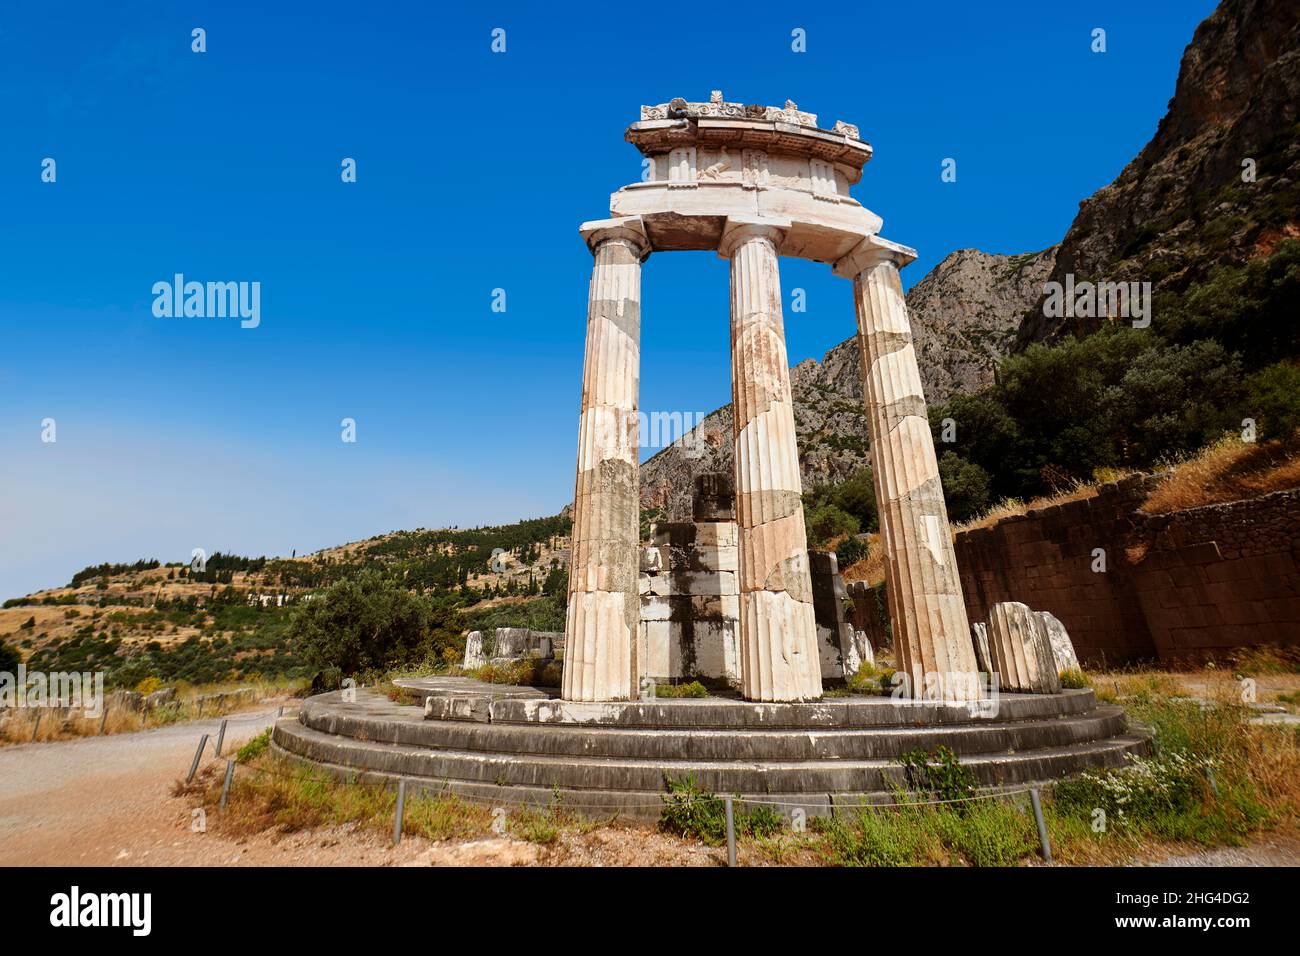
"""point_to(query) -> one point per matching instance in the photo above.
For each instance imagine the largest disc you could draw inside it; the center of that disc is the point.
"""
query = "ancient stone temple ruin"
(734, 597)
(756, 183)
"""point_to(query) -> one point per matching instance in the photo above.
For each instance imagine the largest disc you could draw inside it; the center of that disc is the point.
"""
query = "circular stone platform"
(513, 745)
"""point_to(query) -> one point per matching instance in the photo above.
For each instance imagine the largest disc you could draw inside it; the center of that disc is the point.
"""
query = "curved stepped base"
(522, 748)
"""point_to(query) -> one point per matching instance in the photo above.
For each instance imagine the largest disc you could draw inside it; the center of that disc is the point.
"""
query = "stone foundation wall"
(690, 604)
(1179, 587)
(690, 607)
(1222, 576)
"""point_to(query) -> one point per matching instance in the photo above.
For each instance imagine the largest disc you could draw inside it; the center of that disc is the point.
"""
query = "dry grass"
(23, 725)
(1014, 506)
(871, 568)
(1229, 470)
(271, 794)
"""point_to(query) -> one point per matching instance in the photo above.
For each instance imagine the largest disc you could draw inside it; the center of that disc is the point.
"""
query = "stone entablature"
(713, 162)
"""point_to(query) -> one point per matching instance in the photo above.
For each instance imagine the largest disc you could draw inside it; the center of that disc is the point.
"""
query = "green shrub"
(9, 658)
(850, 551)
(940, 775)
(693, 689)
(367, 623)
(1138, 794)
(690, 812)
(826, 522)
(1273, 400)
(254, 748)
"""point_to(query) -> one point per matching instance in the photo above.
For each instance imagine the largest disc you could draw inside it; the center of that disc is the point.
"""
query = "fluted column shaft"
(778, 631)
(932, 638)
(604, 606)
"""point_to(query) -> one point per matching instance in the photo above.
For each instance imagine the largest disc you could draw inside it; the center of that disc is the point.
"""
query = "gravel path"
(98, 801)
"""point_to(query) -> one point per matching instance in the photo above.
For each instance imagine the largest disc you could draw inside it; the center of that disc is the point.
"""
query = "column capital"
(737, 229)
(872, 251)
(630, 229)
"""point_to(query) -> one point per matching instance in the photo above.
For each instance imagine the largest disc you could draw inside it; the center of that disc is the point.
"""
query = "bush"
(693, 689)
(827, 522)
(965, 487)
(9, 658)
(945, 778)
(1273, 400)
(1139, 793)
(850, 551)
(363, 623)
(691, 812)
(254, 748)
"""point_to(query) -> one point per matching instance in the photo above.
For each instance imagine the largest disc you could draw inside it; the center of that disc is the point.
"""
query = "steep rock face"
(1181, 205)
(964, 317)
(965, 314)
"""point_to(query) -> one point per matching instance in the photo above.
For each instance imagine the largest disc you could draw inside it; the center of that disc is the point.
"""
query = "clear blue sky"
(474, 171)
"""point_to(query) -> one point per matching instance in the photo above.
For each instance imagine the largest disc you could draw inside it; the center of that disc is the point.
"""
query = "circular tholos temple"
(524, 747)
(735, 597)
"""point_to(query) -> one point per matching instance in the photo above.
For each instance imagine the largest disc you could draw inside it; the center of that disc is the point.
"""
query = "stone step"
(648, 775)
(629, 805)
(462, 699)
(393, 726)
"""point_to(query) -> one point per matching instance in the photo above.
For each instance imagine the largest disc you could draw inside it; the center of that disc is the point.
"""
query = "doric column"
(604, 606)
(778, 633)
(932, 639)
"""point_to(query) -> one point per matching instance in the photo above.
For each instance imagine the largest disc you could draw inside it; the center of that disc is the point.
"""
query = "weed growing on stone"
(254, 748)
(1074, 679)
(939, 775)
(693, 689)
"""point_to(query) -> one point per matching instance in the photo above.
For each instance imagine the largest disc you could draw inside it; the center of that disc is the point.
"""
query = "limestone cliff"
(1182, 204)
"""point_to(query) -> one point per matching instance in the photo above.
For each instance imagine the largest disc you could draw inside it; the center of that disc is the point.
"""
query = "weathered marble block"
(1062, 646)
(1021, 650)
(841, 647)
(474, 653)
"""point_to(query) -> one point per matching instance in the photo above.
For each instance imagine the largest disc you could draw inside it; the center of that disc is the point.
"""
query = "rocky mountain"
(964, 313)
(1219, 181)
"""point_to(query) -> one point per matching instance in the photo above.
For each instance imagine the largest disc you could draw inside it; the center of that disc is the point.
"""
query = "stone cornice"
(778, 129)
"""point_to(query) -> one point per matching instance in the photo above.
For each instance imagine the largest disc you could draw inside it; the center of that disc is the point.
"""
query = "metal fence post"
(1042, 824)
(103, 719)
(401, 810)
(221, 735)
(731, 833)
(198, 755)
(225, 787)
(37, 727)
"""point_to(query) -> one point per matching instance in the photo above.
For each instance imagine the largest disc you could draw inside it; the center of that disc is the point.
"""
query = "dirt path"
(106, 801)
